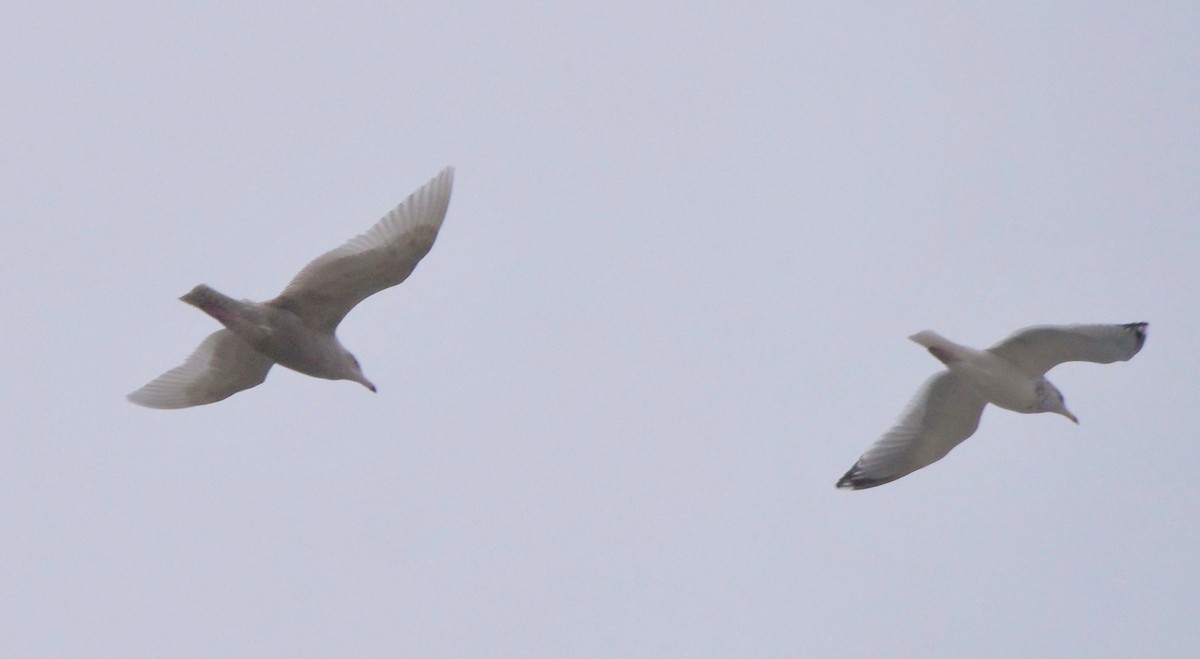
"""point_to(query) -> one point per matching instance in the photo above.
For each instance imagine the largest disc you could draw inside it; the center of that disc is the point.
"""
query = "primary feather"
(297, 328)
(222, 366)
(947, 409)
(1036, 350)
(333, 283)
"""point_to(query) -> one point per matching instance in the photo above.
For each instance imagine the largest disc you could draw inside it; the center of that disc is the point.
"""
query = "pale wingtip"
(142, 399)
(446, 176)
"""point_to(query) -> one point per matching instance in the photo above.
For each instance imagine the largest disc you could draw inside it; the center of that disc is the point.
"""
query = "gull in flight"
(297, 328)
(1010, 374)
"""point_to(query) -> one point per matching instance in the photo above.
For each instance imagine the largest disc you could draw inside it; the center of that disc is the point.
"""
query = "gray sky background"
(666, 312)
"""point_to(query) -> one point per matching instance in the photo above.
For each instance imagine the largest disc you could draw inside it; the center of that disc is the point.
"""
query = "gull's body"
(997, 380)
(1010, 374)
(297, 329)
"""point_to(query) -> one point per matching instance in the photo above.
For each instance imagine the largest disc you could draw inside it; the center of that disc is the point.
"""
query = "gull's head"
(1050, 399)
(351, 370)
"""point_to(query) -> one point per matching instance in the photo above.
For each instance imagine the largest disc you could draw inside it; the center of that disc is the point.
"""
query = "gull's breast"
(998, 381)
(293, 344)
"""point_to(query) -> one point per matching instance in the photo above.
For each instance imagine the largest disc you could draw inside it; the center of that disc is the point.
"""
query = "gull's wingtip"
(855, 480)
(149, 400)
(446, 176)
(438, 190)
(1139, 332)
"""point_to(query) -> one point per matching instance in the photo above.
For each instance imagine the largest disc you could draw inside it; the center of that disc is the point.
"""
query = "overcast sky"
(667, 310)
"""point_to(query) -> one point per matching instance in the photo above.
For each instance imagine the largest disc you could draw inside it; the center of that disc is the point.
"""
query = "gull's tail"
(939, 346)
(211, 301)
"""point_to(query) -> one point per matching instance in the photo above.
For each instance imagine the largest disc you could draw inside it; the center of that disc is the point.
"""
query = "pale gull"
(297, 329)
(1010, 374)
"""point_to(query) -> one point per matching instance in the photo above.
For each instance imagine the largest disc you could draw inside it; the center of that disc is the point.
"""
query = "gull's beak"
(366, 383)
(1065, 412)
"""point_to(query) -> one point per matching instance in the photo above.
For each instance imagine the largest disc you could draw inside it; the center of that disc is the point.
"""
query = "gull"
(297, 328)
(1010, 374)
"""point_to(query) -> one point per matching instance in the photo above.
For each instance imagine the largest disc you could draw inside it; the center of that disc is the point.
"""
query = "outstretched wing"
(944, 412)
(1036, 350)
(329, 287)
(223, 365)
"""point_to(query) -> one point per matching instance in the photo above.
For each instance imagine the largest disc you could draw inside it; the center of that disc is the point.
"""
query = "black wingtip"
(849, 480)
(854, 480)
(1139, 331)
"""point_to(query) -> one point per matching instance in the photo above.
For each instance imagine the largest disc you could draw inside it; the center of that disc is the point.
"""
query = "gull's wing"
(223, 365)
(942, 414)
(329, 287)
(1036, 350)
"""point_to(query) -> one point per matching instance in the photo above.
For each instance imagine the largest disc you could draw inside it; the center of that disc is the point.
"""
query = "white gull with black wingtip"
(1010, 374)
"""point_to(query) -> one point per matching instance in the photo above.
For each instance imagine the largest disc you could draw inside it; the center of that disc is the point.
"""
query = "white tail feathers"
(927, 338)
(939, 346)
